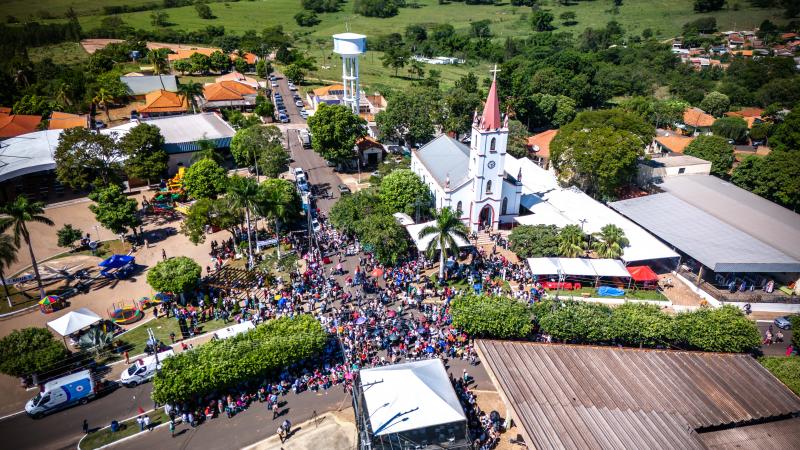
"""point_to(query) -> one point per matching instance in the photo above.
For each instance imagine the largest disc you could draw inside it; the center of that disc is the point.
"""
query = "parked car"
(303, 114)
(62, 393)
(298, 103)
(343, 189)
(783, 323)
(143, 369)
(292, 87)
(274, 84)
(283, 118)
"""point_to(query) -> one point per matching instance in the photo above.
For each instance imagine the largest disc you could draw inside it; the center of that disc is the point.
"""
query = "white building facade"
(472, 180)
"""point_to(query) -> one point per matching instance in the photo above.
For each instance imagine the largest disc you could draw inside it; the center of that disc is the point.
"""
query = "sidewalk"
(332, 431)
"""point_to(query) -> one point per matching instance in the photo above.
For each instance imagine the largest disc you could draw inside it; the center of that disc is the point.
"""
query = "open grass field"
(664, 17)
(66, 52)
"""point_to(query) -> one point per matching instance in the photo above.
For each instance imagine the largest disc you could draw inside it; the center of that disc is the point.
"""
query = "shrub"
(220, 365)
(723, 329)
(491, 316)
(174, 275)
(640, 324)
(581, 322)
(30, 350)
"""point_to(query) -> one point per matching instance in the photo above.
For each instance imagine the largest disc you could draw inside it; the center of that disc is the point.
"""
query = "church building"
(472, 180)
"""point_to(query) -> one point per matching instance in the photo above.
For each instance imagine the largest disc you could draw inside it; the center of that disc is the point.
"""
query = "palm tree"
(159, 62)
(8, 256)
(571, 242)
(611, 242)
(16, 215)
(208, 149)
(445, 231)
(191, 91)
(103, 98)
(275, 204)
(243, 194)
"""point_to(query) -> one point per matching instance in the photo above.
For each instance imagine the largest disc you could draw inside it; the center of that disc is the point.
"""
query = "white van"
(61, 393)
(143, 369)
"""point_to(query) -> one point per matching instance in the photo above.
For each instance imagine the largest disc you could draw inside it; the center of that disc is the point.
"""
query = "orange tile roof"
(746, 112)
(696, 117)
(162, 101)
(226, 91)
(5, 110)
(236, 76)
(186, 54)
(62, 121)
(249, 57)
(17, 124)
(542, 142)
(743, 52)
(367, 142)
(325, 90)
(674, 142)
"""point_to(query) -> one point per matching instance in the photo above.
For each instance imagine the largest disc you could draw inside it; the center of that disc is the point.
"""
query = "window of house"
(459, 208)
(682, 170)
(492, 145)
(489, 187)
(504, 206)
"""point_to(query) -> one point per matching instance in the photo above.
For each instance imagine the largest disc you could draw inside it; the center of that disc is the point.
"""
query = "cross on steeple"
(494, 72)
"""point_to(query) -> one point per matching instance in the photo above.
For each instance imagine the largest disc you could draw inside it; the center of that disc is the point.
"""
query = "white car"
(274, 84)
(299, 103)
(292, 87)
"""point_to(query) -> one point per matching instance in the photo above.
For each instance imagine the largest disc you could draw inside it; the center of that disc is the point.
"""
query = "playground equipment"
(146, 302)
(123, 314)
(117, 266)
(176, 183)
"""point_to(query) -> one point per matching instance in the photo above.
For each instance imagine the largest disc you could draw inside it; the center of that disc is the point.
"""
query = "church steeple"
(491, 110)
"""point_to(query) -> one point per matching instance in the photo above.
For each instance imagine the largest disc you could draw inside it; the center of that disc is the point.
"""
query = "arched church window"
(459, 209)
(489, 187)
(493, 145)
(504, 206)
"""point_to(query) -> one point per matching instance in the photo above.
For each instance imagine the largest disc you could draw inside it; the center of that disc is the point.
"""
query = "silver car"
(783, 323)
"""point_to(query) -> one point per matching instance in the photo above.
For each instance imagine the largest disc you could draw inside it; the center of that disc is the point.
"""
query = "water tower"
(350, 46)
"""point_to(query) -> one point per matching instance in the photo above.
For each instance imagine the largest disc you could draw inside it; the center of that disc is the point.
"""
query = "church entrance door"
(486, 219)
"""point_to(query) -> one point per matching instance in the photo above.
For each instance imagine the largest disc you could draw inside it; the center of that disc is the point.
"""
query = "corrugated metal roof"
(780, 434)
(569, 396)
(445, 157)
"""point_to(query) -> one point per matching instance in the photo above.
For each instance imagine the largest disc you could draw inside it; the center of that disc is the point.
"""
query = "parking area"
(287, 100)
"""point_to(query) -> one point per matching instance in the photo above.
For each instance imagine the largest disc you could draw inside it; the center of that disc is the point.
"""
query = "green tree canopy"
(714, 149)
(610, 242)
(67, 235)
(641, 324)
(30, 350)
(252, 142)
(787, 134)
(411, 115)
(350, 212)
(724, 329)
(214, 213)
(534, 241)
(389, 241)
(571, 242)
(734, 128)
(491, 316)
(517, 139)
(715, 103)
(176, 275)
(205, 179)
(336, 130)
(446, 230)
(143, 148)
(402, 190)
(84, 157)
(114, 210)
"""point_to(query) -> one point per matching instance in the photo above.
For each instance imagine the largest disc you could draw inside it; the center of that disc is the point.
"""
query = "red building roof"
(491, 110)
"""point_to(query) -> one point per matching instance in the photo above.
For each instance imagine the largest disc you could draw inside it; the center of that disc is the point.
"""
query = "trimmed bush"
(175, 275)
(641, 324)
(575, 321)
(491, 316)
(723, 329)
(223, 364)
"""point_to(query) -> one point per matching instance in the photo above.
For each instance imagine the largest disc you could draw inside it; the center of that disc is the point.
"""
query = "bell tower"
(487, 160)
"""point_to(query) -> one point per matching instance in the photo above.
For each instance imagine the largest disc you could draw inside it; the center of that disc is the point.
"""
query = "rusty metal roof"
(569, 396)
(770, 435)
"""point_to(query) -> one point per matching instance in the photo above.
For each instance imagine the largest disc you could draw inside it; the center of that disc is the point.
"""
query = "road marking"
(763, 321)
(12, 415)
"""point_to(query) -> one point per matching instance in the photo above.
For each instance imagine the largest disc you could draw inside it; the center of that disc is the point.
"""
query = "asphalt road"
(288, 99)
(62, 430)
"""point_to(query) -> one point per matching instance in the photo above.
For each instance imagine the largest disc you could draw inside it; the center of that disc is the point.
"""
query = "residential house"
(12, 125)
(743, 53)
(696, 121)
(369, 105)
(228, 95)
(62, 121)
(735, 41)
(250, 58)
(370, 151)
(238, 77)
(669, 142)
(140, 86)
(750, 115)
(186, 54)
(655, 170)
(539, 147)
(163, 103)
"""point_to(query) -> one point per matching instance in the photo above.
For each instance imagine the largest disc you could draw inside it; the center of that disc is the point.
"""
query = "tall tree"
(114, 210)
(715, 103)
(248, 144)
(15, 216)
(243, 194)
(205, 179)
(411, 115)
(571, 242)
(734, 128)
(157, 58)
(610, 242)
(83, 157)
(191, 91)
(715, 149)
(446, 230)
(8, 256)
(336, 130)
(278, 200)
(143, 148)
(103, 98)
(207, 149)
(403, 191)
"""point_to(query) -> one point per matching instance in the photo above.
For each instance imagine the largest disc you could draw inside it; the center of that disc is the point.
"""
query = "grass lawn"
(785, 368)
(63, 53)
(127, 428)
(162, 327)
(630, 294)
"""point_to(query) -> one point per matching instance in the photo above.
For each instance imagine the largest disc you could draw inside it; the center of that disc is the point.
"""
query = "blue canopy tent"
(117, 266)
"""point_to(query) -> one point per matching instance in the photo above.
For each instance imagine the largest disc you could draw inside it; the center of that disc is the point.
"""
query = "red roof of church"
(491, 111)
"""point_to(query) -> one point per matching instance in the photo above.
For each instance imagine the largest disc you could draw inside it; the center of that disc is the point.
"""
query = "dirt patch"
(92, 45)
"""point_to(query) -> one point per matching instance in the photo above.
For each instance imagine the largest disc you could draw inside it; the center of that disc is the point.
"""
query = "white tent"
(403, 219)
(74, 321)
(422, 244)
(578, 267)
(409, 396)
(233, 330)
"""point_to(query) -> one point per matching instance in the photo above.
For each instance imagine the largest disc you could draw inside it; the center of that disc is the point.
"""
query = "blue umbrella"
(361, 320)
(429, 349)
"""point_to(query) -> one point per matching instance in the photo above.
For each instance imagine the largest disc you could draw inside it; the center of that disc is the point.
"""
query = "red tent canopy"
(642, 273)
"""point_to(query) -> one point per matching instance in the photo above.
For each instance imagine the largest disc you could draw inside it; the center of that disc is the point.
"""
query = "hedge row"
(223, 364)
(723, 329)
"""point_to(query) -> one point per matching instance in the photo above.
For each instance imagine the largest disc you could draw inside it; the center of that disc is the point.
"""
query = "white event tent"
(74, 321)
(578, 267)
(234, 330)
(409, 396)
